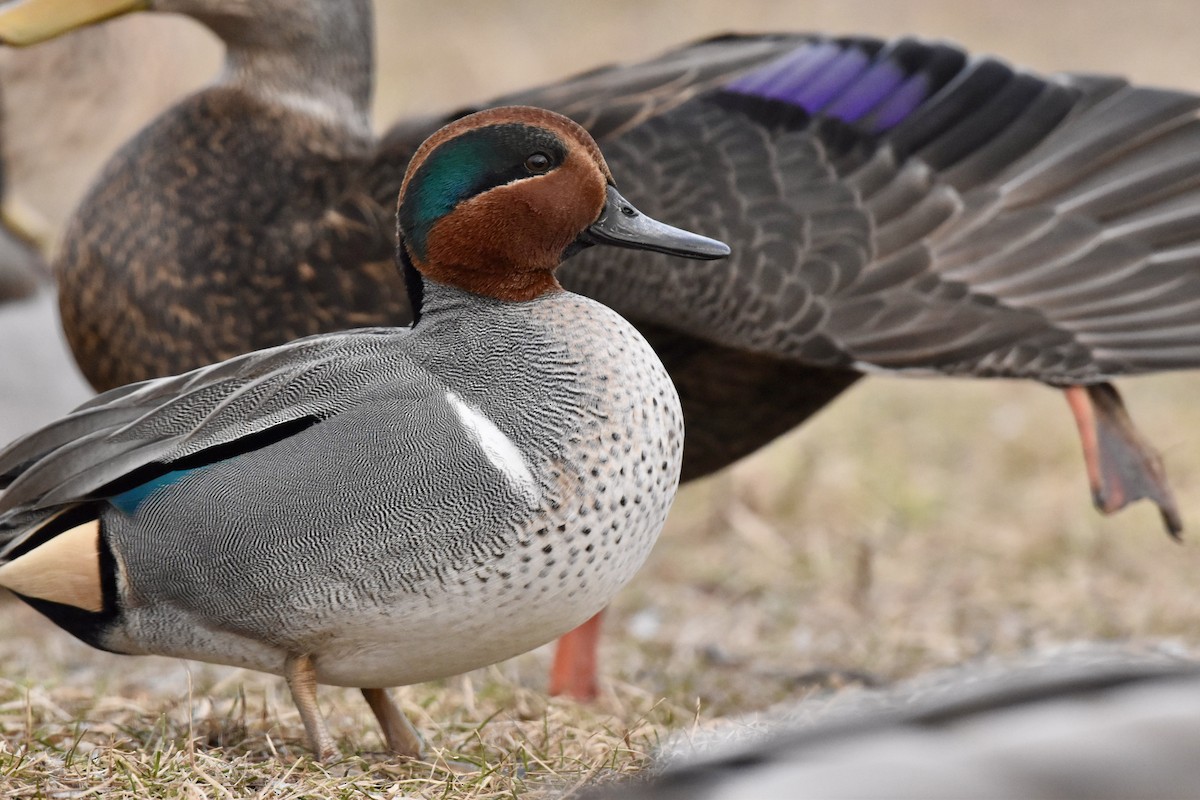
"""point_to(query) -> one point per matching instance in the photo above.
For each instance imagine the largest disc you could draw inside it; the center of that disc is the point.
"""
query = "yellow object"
(26, 223)
(24, 22)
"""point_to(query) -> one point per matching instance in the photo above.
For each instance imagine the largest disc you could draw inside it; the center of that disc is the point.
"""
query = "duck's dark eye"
(537, 163)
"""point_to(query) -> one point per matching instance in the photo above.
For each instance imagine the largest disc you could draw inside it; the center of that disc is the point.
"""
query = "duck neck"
(513, 287)
(311, 58)
(438, 298)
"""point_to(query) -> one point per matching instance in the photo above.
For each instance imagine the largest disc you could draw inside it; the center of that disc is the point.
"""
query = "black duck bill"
(622, 225)
(25, 22)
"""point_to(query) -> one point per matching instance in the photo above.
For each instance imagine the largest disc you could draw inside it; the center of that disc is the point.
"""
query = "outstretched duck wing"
(901, 206)
(1070, 256)
(137, 433)
(612, 100)
(897, 207)
(608, 100)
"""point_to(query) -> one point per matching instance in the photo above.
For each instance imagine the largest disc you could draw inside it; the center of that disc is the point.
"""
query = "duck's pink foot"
(574, 670)
(1122, 466)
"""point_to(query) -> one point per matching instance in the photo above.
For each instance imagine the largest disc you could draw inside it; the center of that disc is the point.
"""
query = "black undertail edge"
(89, 627)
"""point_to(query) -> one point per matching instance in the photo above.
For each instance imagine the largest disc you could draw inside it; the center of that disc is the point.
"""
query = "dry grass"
(157, 728)
(913, 525)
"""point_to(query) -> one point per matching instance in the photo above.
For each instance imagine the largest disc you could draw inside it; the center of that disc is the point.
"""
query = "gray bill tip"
(622, 225)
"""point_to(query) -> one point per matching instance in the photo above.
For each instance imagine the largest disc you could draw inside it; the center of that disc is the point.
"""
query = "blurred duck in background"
(102, 94)
(1084, 723)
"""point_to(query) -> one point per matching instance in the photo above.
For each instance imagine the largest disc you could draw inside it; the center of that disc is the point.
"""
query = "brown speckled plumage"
(269, 202)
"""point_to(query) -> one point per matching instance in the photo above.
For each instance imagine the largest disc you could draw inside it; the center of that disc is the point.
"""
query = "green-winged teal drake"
(386, 505)
(894, 206)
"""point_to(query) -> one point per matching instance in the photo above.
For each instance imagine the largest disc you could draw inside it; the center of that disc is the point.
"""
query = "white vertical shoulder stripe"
(498, 448)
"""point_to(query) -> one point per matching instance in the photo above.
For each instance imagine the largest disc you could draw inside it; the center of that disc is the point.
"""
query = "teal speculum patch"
(129, 501)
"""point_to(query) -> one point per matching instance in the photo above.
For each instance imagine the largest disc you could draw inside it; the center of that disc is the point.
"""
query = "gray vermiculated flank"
(387, 519)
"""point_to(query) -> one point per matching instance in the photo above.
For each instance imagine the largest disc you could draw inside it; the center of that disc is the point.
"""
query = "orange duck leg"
(574, 670)
(1121, 465)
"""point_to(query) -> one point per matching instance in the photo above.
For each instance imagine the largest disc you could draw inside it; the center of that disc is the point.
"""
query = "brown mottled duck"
(893, 206)
(108, 82)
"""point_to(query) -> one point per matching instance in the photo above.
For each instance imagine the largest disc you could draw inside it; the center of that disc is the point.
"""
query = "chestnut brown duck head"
(537, 186)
